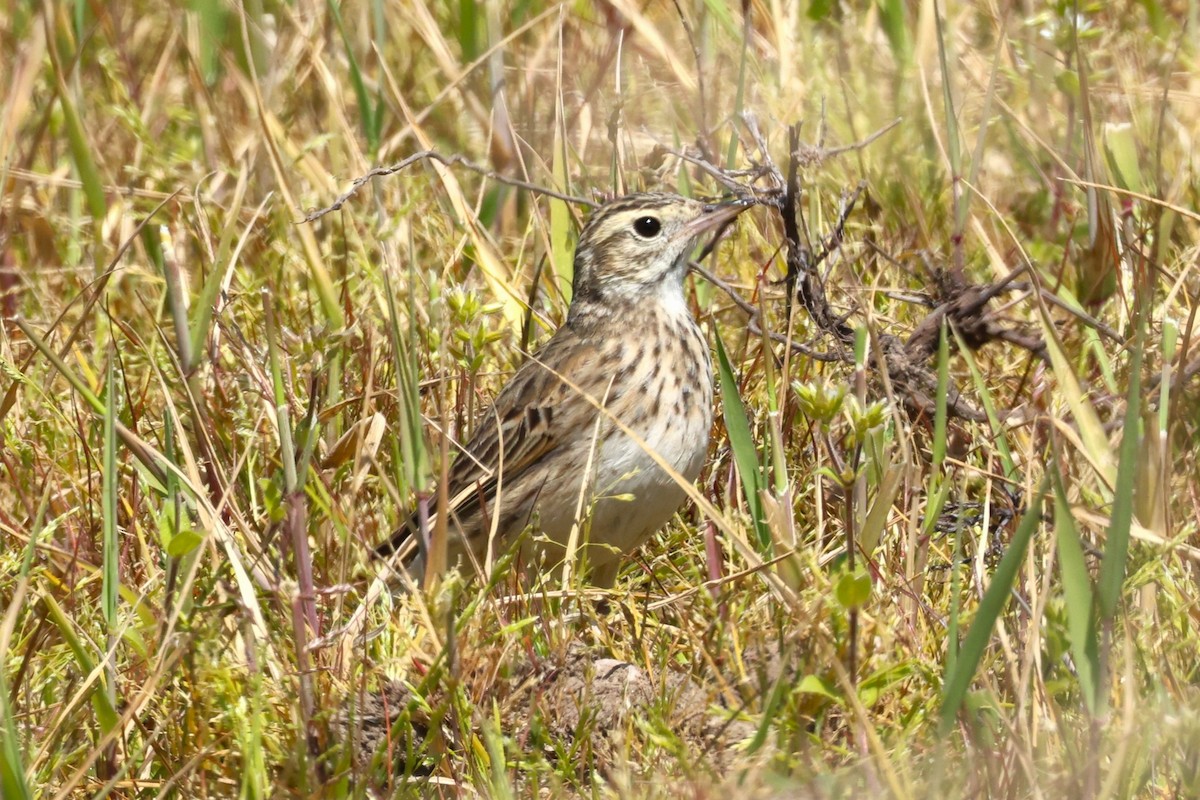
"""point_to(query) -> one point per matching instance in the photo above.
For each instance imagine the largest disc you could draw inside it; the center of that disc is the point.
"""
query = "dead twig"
(449, 161)
(755, 319)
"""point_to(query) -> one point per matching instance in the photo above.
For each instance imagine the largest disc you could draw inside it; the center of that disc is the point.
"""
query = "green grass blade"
(1170, 337)
(1077, 594)
(283, 416)
(741, 442)
(255, 778)
(953, 645)
(211, 21)
(77, 141)
(468, 29)
(1116, 545)
(962, 671)
(106, 712)
(943, 390)
(560, 213)
(895, 27)
(739, 98)
(202, 313)
(953, 146)
(414, 462)
(111, 550)
(1011, 471)
(1087, 421)
(12, 771)
(96, 404)
(368, 114)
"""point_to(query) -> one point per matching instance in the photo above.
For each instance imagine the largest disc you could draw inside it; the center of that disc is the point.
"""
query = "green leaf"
(895, 27)
(1120, 148)
(366, 110)
(989, 407)
(1077, 592)
(12, 770)
(106, 713)
(819, 9)
(1116, 546)
(741, 441)
(203, 306)
(853, 590)
(879, 683)
(811, 684)
(133, 637)
(415, 469)
(111, 547)
(740, 96)
(183, 543)
(81, 154)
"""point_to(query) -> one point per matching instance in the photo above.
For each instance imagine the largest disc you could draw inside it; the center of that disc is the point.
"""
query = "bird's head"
(638, 246)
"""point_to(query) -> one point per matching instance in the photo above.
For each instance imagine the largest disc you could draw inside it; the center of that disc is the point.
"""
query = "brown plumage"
(544, 453)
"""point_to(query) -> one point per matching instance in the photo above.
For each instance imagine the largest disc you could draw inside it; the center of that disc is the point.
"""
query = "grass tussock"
(975, 576)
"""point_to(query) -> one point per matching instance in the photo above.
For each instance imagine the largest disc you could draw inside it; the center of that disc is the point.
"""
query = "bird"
(630, 350)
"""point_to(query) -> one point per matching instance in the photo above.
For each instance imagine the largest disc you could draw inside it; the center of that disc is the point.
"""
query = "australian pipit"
(549, 450)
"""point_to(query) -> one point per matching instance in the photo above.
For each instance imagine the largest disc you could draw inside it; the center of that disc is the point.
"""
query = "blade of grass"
(177, 294)
(223, 262)
(739, 97)
(778, 509)
(13, 782)
(1091, 431)
(560, 214)
(876, 519)
(106, 712)
(939, 488)
(12, 772)
(369, 115)
(1011, 470)
(415, 472)
(77, 142)
(895, 27)
(961, 671)
(1098, 265)
(211, 20)
(111, 548)
(1116, 545)
(741, 442)
(292, 482)
(1078, 597)
(953, 643)
(953, 145)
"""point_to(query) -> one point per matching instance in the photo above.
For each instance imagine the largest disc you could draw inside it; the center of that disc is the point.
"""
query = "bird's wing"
(532, 416)
(534, 413)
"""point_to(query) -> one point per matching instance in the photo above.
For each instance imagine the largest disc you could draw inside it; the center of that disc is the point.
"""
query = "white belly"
(630, 495)
(636, 496)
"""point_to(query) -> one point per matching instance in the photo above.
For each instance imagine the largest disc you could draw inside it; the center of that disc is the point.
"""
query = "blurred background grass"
(211, 410)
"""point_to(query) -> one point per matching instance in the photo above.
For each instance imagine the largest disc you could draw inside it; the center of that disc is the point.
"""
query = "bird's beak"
(715, 216)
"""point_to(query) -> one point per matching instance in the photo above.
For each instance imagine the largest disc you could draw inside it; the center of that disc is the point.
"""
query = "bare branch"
(449, 161)
(755, 319)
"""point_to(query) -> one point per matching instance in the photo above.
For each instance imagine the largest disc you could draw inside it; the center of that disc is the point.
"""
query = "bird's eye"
(647, 227)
